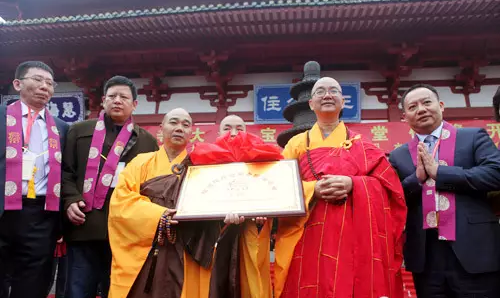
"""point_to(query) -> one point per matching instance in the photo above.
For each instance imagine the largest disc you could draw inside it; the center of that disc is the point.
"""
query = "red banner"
(386, 135)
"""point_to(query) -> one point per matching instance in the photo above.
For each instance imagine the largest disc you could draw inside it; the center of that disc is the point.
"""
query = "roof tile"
(192, 9)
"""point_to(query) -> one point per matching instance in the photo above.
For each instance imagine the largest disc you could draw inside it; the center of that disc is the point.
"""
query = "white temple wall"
(192, 102)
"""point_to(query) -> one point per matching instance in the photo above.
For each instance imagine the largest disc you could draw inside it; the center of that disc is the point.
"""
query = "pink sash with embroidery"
(14, 160)
(439, 208)
(94, 189)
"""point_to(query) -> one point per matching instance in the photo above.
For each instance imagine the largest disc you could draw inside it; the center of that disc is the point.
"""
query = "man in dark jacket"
(452, 235)
(96, 151)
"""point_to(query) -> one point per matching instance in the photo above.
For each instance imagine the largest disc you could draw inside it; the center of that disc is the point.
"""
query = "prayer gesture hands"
(426, 165)
(333, 187)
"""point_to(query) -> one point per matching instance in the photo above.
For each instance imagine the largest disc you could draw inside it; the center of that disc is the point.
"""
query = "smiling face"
(176, 128)
(423, 111)
(232, 124)
(327, 101)
(118, 103)
(35, 88)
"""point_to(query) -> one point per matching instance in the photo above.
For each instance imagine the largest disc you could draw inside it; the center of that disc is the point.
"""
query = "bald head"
(233, 124)
(176, 128)
(326, 83)
(326, 100)
(176, 113)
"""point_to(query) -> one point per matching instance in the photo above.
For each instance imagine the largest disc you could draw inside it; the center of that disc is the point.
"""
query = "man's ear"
(17, 85)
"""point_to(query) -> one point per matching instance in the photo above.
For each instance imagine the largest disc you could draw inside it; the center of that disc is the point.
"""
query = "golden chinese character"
(377, 144)
(412, 133)
(494, 129)
(197, 135)
(379, 133)
(14, 137)
(53, 143)
(458, 125)
(397, 145)
(267, 134)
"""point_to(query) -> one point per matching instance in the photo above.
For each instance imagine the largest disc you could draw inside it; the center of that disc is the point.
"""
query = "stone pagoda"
(298, 111)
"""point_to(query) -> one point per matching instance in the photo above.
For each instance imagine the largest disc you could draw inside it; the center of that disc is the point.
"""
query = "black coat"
(75, 158)
(476, 171)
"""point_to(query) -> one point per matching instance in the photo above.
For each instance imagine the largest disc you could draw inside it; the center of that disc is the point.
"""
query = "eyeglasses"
(322, 92)
(40, 80)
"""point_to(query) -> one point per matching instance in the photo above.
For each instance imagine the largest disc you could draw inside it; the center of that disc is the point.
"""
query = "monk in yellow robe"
(180, 262)
(255, 237)
(349, 245)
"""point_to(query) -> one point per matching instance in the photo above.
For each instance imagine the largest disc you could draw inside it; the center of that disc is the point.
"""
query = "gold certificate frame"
(267, 189)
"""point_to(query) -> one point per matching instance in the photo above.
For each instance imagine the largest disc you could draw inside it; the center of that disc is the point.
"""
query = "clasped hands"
(333, 188)
(426, 165)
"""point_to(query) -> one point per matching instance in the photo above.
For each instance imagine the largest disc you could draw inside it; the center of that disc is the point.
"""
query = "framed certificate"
(267, 189)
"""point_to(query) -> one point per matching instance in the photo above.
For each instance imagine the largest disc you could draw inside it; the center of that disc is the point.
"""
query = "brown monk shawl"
(164, 277)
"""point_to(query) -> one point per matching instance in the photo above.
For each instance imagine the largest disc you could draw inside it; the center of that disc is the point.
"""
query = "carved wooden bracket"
(469, 80)
(225, 95)
(389, 91)
(80, 72)
(155, 90)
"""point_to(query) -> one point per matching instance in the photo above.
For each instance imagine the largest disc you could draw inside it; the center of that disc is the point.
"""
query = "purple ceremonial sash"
(94, 189)
(440, 215)
(14, 160)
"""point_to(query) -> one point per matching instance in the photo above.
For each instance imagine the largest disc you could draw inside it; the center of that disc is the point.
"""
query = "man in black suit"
(29, 208)
(452, 250)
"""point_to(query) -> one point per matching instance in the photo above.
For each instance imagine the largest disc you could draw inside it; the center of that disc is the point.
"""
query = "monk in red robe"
(350, 242)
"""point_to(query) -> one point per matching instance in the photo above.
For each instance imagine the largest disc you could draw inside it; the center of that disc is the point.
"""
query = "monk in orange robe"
(180, 263)
(349, 245)
(255, 236)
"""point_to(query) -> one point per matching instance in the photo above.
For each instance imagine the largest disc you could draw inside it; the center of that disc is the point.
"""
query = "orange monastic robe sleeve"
(133, 220)
(255, 273)
(290, 229)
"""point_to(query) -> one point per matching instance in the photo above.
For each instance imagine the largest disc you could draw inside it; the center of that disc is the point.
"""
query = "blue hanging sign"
(69, 107)
(271, 100)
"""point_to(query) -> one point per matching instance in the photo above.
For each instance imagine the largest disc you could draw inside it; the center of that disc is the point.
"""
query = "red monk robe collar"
(14, 160)
(96, 185)
(438, 207)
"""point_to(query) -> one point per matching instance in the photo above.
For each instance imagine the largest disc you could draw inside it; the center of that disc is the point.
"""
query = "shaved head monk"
(180, 262)
(350, 242)
(232, 124)
(254, 239)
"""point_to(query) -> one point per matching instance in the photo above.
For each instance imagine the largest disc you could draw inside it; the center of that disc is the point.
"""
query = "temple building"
(220, 57)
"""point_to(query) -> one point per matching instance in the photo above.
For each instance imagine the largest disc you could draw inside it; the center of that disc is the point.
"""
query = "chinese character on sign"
(267, 134)
(347, 101)
(271, 103)
(494, 129)
(53, 109)
(197, 135)
(68, 110)
(379, 133)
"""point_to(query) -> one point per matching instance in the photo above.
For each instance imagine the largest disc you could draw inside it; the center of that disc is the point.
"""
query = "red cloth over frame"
(244, 147)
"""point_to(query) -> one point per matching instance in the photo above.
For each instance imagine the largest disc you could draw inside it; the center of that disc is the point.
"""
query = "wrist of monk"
(165, 230)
